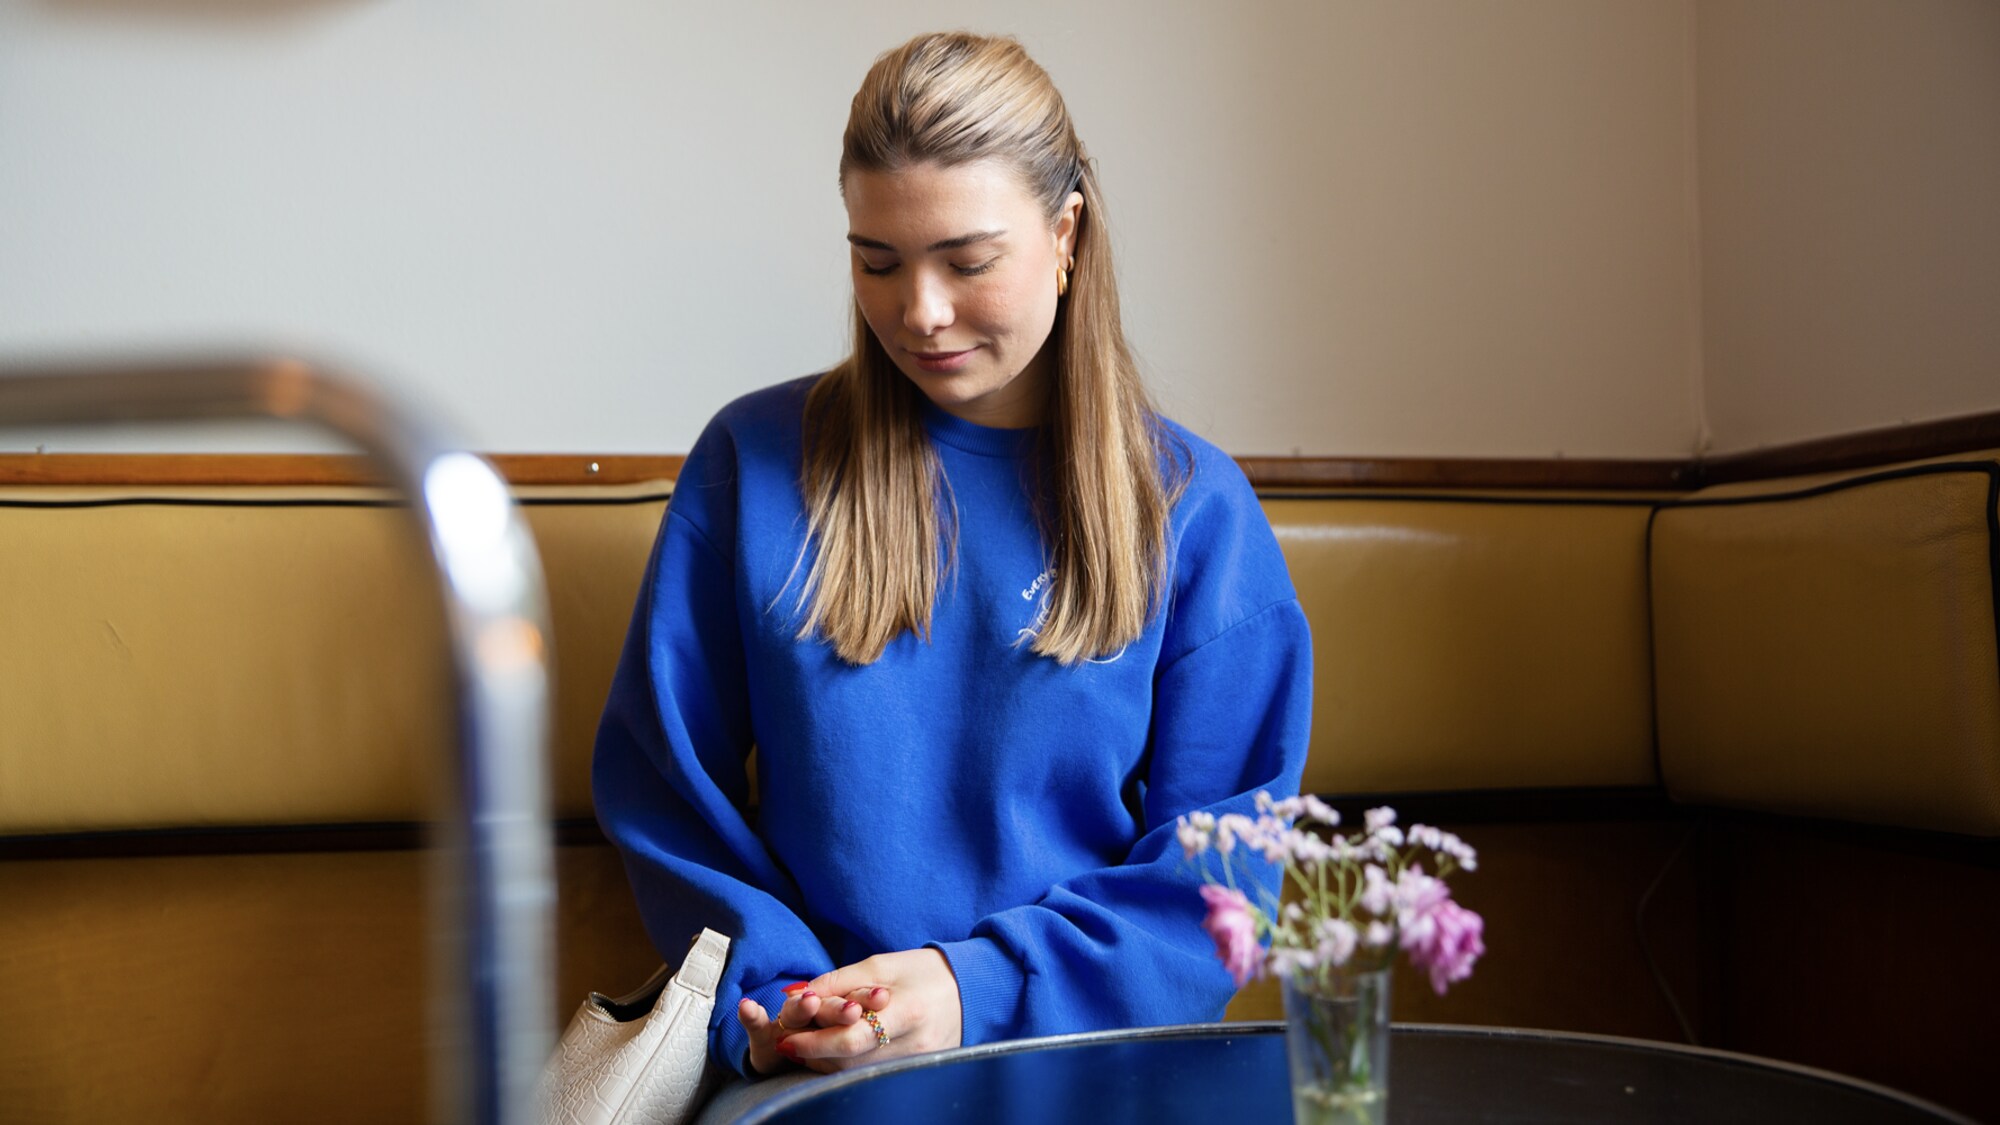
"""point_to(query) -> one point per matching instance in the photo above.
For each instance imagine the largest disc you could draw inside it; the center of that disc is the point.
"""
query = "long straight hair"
(880, 521)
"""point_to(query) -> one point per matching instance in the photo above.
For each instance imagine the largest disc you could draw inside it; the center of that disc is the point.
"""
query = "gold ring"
(874, 1021)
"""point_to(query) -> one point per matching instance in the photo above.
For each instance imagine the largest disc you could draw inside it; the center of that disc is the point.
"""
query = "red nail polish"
(791, 988)
(786, 1049)
(806, 993)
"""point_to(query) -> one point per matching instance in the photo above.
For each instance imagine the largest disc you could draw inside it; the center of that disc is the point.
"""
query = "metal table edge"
(1255, 1028)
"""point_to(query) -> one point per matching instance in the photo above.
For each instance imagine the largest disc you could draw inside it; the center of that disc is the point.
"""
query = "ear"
(1066, 224)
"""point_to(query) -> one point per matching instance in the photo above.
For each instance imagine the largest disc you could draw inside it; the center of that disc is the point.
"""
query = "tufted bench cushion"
(1826, 646)
(221, 708)
(1467, 641)
(265, 656)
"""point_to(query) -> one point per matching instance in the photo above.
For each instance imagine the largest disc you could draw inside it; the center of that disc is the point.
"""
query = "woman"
(990, 622)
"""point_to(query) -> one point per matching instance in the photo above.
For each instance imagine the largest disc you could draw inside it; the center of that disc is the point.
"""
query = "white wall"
(1369, 227)
(1850, 202)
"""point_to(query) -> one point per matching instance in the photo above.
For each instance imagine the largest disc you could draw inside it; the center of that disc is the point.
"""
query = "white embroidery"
(1043, 585)
(1039, 585)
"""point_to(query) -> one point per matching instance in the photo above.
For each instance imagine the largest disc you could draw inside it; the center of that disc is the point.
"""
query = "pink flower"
(1230, 923)
(1445, 940)
(1416, 895)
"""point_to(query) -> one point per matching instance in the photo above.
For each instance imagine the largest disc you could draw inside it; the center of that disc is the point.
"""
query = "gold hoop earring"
(1062, 282)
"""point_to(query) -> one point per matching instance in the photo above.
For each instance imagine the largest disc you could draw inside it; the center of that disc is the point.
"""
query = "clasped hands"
(822, 1026)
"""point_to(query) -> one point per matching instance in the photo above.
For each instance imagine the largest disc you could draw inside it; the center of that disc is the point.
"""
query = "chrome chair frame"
(494, 883)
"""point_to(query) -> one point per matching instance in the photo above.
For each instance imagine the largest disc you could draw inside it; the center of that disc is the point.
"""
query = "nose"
(927, 306)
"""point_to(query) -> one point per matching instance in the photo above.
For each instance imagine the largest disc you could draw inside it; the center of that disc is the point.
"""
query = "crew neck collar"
(987, 441)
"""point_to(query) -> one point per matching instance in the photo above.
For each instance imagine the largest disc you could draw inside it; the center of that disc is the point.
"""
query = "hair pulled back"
(878, 506)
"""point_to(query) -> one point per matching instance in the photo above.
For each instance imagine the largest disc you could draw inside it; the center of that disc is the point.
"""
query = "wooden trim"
(1849, 451)
(1971, 851)
(1464, 807)
(1628, 804)
(164, 469)
(180, 469)
(170, 469)
(576, 468)
(1856, 451)
(1425, 472)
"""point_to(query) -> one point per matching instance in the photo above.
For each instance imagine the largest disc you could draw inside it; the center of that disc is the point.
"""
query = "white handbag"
(641, 1059)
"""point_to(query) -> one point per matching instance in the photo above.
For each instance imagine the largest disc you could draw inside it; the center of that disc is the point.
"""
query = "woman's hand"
(804, 1010)
(926, 1016)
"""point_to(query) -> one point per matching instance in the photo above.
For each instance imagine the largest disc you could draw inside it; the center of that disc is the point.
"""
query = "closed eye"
(975, 271)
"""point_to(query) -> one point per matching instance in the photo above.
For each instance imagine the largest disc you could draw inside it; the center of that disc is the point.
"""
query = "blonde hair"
(879, 509)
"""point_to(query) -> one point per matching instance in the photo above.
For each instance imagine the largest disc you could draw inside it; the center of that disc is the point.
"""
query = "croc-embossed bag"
(640, 1059)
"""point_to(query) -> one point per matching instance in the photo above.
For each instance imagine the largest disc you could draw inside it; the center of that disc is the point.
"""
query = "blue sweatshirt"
(961, 793)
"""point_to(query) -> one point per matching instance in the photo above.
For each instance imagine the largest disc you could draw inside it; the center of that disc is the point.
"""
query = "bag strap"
(703, 967)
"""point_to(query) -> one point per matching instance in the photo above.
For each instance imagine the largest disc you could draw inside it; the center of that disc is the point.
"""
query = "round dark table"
(1234, 1074)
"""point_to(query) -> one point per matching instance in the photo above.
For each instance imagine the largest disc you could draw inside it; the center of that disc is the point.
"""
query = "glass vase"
(1337, 1041)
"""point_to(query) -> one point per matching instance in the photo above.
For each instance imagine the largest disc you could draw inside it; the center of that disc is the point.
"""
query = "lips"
(941, 361)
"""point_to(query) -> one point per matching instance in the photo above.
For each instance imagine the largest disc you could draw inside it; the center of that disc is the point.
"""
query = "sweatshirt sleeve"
(1123, 946)
(668, 776)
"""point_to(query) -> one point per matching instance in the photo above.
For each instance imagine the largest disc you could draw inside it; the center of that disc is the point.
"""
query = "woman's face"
(955, 272)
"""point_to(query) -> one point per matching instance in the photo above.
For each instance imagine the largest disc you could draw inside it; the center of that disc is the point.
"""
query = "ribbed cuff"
(732, 1043)
(990, 989)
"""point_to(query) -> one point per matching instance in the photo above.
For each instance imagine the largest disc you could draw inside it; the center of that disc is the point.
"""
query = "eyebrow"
(960, 242)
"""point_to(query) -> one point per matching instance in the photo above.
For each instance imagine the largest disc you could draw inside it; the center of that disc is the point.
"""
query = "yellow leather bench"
(1826, 646)
(202, 657)
(1467, 641)
(221, 709)
(225, 710)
